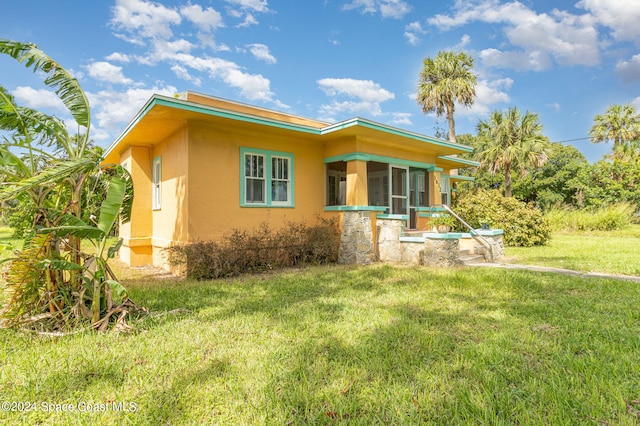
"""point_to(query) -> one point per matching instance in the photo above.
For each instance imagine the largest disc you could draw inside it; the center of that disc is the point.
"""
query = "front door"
(399, 190)
(417, 195)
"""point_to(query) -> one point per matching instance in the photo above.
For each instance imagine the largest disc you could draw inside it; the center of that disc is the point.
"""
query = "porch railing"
(474, 234)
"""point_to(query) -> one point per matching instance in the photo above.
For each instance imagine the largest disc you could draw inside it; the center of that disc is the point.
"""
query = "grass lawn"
(611, 251)
(366, 345)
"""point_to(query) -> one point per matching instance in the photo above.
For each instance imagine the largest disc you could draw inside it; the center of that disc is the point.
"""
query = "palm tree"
(620, 124)
(445, 81)
(511, 142)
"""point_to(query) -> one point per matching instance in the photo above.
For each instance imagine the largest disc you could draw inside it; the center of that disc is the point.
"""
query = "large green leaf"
(75, 227)
(26, 124)
(49, 176)
(65, 85)
(110, 208)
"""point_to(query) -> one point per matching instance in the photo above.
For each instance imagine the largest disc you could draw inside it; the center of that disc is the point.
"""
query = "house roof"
(162, 115)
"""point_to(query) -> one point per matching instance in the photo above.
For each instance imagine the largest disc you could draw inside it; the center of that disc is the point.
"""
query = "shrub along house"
(203, 166)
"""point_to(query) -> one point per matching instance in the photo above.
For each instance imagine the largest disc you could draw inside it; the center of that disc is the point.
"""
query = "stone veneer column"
(389, 231)
(356, 241)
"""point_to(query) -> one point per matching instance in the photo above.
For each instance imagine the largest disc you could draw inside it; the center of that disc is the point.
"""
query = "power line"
(572, 140)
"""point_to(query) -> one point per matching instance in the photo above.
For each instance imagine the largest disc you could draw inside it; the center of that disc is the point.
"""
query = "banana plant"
(40, 159)
(97, 273)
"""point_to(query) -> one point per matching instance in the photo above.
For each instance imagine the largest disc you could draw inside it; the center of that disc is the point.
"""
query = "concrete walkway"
(556, 271)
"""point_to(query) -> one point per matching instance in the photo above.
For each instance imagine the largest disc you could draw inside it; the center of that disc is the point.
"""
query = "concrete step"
(468, 258)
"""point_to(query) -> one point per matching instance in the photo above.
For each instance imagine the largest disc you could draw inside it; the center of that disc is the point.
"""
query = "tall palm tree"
(620, 124)
(444, 81)
(511, 142)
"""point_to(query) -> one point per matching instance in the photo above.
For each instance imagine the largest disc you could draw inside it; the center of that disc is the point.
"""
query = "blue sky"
(335, 59)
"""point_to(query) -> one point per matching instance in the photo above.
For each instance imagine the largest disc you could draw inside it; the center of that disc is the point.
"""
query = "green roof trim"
(460, 160)
(357, 121)
(461, 177)
(159, 100)
(381, 159)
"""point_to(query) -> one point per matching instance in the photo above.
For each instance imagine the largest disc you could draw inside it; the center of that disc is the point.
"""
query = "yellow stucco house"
(203, 166)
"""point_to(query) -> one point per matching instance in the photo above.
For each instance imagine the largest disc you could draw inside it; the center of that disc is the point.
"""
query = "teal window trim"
(393, 216)
(156, 183)
(268, 177)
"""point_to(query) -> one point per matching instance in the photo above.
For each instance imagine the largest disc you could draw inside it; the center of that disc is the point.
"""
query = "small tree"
(511, 142)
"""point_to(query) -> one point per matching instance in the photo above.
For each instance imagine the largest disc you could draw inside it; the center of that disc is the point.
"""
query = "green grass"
(367, 345)
(616, 252)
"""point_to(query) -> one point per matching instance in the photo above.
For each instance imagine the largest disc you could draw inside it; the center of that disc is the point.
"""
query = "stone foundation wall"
(441, 253)
(497, 244)
(356, 241)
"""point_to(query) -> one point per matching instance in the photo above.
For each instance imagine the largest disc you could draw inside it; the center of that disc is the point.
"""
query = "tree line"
(518, 159)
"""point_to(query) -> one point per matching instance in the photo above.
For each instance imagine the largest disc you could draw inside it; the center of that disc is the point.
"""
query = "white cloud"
(365, 97)
(38, 98)
(106, 72)
(261, 52)
(621, 16)
(412, 33)
(566, 38)
(183, 73)
(488, 94)
(167, 50)
(396, 9)
(629, 70)
(248, 21)
(145, 18)
(363, 89)
(119, 57)
(554, 106)
(401, 118)
(114, 109)
(517, 60)
(255, 5)
(206, 20)
(251, 86)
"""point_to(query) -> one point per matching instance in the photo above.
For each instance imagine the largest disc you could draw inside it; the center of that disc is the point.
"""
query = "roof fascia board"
(392, 130)
(207, 110)
(460, 160)
(381, 159)
(143, 111)
(224, 113)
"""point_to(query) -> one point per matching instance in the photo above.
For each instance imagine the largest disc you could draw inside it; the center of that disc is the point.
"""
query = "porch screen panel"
(254, 178)
(336, 184)
(398, 190)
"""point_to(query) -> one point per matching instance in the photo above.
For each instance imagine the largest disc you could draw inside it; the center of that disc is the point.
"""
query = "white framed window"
(266, 178)
(254, 179)
(445, 189)
(156, 182)
(280, 183)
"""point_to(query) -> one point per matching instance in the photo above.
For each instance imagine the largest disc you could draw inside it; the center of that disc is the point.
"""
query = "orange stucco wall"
(214, 180)
(137, 233)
